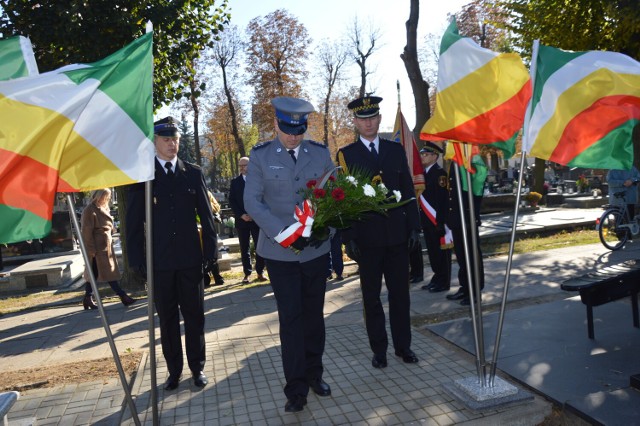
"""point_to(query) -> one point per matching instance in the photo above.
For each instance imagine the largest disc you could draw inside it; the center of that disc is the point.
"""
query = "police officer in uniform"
(381, 244)
(436, 193)
(179, 194)
(278, 171)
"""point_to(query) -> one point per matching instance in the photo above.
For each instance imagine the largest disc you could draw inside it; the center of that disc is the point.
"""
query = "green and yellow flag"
(16, 58)
(78, 128)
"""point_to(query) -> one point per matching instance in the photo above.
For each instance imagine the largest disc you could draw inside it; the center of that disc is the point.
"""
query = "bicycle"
(615, 227)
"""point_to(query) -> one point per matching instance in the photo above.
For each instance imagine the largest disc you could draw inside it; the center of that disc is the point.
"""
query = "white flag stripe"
(459, 63)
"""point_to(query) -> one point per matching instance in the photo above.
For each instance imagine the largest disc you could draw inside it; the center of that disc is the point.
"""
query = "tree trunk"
(196, 114)
(234, 115)
(410, 58)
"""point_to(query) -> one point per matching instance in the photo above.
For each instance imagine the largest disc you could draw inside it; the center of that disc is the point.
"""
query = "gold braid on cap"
(363, 107)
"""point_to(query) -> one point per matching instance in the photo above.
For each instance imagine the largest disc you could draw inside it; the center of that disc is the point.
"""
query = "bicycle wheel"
(611, 235)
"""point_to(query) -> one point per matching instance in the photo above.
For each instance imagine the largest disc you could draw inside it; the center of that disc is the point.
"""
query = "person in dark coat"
(381, 244)
(454, 221)
(179, 194)
(279, 170)
(245, 225)
(436, 194)
(97, 228)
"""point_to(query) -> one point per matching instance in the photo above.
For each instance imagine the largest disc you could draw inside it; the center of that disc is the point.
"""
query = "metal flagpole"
(469, 269)
(476, 276)
(103, 317)
(505, 291)
(148, 192)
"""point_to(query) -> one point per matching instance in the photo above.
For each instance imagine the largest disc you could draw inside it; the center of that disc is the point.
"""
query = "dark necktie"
(292, 153)
(373, 150)
(167, 165)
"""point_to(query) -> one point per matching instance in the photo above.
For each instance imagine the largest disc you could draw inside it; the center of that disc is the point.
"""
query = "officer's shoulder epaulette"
(261, 145)
(318, 144)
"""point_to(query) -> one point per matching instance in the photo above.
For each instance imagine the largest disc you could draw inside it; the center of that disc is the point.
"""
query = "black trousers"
(299, 290)
(181, 292)
(392, 262)
(336, 263)
(439, 259)
(458, 246)
(244, 234)
(416, 263)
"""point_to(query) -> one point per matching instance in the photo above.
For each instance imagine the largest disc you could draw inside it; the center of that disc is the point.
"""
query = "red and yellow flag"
(404, 135)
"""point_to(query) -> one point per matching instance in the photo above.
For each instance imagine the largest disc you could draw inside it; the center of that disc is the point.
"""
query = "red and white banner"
(446, 241)
(302, 226)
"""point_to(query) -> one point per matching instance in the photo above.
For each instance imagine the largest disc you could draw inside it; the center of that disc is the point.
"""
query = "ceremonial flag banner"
(16, 58)
(468, 158)
(78, 128)
(481, 95)
(584, 108)
(402, 134)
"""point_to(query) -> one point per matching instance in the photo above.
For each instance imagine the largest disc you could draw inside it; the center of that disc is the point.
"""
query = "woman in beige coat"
(97, 227)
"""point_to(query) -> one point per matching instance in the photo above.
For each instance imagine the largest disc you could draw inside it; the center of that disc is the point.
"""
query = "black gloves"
(414, 239)
(209, 264)
(300, 243)
(352, 250)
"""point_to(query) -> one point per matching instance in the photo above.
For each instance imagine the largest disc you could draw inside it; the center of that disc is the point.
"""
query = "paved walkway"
(243, 355)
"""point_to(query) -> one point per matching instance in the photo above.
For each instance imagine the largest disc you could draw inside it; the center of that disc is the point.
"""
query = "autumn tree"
(364, 43)
(277, 51)
(332, 56)
(225, 55)
(73, 31)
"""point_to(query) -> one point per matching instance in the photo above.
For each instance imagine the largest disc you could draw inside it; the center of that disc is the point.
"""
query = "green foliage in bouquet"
(347, 198)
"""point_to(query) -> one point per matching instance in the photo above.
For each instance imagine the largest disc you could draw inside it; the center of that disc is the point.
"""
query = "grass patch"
(527, 244)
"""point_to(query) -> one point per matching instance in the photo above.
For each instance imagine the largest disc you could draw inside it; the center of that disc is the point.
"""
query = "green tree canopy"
(73, 31)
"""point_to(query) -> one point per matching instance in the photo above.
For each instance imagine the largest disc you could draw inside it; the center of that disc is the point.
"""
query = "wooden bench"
(606, 285)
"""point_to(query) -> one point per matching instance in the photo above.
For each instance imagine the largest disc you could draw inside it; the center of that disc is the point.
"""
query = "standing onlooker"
(97, 228)
(381, 244)
(436, 193)
(622, 180)
(179, 195)
(278, 173)
(245, 225)
(215, 271)
(454, 221)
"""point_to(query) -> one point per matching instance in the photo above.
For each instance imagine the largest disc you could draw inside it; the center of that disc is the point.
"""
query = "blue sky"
(331, 18)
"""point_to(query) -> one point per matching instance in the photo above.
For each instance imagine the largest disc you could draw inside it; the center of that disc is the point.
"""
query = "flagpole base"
(476, 397)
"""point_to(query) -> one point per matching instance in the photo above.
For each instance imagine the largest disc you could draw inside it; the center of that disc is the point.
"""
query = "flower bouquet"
(337, 201)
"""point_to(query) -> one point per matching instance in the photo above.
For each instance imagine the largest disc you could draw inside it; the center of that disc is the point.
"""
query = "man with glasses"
(278, 173)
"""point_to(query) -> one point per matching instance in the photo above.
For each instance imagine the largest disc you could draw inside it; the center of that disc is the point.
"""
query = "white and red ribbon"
(446, 241)
(301, 227)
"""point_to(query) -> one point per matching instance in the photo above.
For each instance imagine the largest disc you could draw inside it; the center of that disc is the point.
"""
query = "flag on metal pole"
(78, 128)
(584, 108)
(16, 58)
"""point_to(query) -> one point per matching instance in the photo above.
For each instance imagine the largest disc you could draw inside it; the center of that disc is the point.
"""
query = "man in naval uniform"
(381, 244)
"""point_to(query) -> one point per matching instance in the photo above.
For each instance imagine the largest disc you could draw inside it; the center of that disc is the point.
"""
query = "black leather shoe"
(295, 404)
(467, 301)
(172, 383)
(459, 295)
(416, 280)
(320, 387)
(379, 361)
(427, 286)
(200, 380)
(407, 356)
(438, 288)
